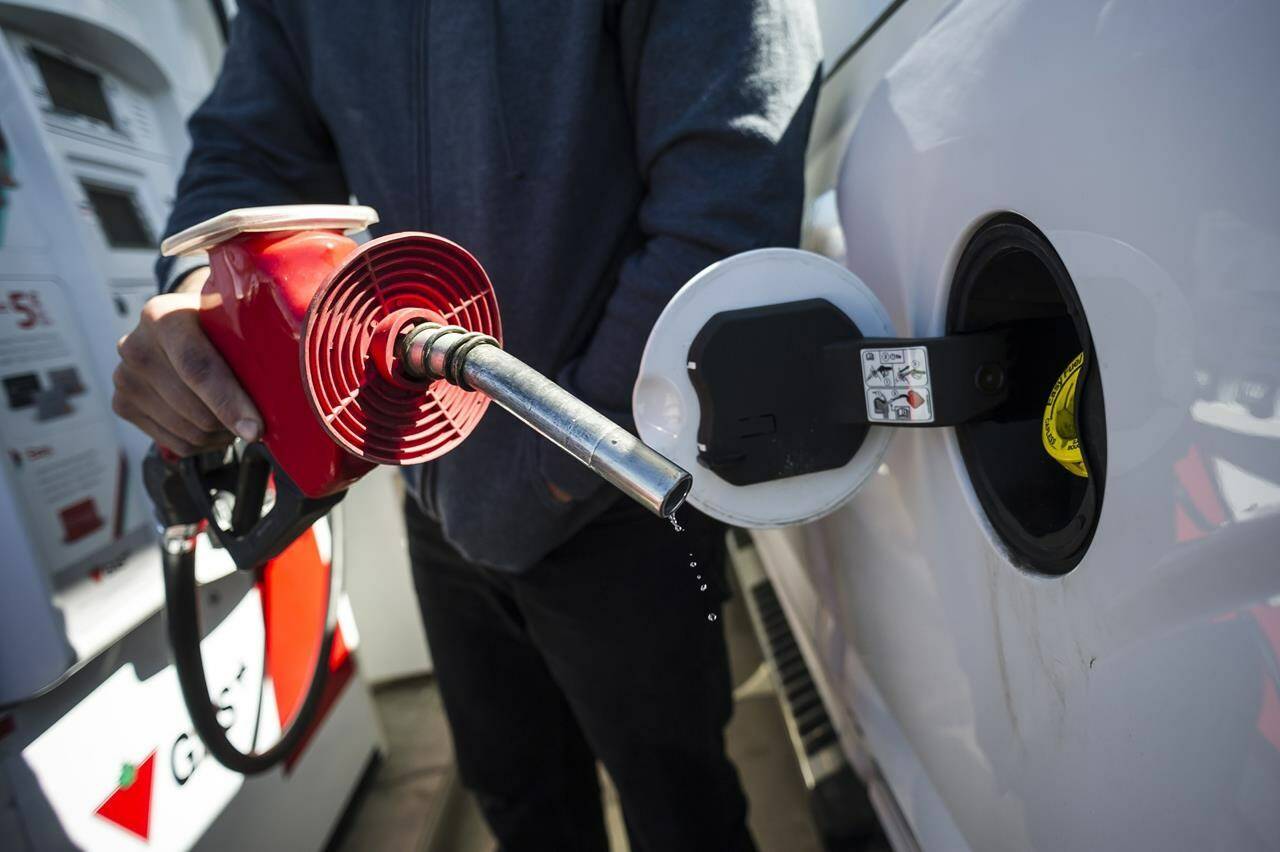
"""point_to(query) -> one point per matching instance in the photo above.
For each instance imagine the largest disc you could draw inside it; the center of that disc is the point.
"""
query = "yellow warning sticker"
(1059, 434)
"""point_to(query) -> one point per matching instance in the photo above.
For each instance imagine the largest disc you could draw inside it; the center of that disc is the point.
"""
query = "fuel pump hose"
(178, 554)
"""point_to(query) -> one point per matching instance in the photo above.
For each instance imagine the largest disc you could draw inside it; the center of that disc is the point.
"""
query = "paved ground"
(757, 739)
(413, 795)
(397, 803)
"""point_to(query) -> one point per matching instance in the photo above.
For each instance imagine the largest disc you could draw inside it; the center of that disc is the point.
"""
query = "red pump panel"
(253, 309)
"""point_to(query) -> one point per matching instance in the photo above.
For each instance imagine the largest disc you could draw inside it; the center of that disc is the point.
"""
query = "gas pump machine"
(96, 748)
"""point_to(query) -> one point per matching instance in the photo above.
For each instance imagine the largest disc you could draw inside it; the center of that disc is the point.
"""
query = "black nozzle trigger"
(185, 491)
(162, 478)
(252, 537)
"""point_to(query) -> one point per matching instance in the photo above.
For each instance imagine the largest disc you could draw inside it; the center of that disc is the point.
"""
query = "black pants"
(605, 649)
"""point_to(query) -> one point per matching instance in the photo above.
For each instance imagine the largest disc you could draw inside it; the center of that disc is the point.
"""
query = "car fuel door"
(776, 376)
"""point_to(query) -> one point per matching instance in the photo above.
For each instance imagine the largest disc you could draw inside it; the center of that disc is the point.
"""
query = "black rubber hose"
(182, 613)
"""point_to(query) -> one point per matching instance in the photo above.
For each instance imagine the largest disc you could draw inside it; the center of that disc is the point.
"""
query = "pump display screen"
(117, 213)
(73, 89)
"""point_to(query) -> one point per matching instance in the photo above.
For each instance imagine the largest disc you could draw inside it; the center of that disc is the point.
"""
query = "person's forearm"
(257, 140)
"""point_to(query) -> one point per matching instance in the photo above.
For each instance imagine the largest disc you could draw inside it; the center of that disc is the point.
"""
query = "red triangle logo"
(130, 805)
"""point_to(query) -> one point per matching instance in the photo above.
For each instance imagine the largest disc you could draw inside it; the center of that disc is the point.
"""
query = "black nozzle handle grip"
(162, 476)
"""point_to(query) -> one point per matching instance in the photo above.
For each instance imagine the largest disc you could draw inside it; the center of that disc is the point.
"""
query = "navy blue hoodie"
(593, 155)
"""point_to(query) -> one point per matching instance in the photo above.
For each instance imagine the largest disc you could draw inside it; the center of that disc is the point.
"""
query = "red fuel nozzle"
(400, 340)
(307, 320)
(318, 330)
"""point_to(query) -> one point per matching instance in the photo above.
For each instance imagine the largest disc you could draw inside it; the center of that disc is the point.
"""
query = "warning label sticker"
(896, 383)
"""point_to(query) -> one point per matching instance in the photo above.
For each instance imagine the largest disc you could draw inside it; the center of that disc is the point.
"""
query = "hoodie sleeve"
(722, 97)
(257, 139)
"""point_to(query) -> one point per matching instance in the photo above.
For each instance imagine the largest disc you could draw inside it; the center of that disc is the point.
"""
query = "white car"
(1012, 655)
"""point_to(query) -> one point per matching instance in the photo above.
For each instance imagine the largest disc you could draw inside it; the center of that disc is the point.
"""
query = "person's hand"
(173, 385)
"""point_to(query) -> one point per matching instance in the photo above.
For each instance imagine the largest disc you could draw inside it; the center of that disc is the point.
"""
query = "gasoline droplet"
(693, 564)
(711, 616)
(699, 576)
(675, 525)
(704, 588)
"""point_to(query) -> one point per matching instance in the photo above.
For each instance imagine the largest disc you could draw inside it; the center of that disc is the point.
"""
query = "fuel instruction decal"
(896, 383)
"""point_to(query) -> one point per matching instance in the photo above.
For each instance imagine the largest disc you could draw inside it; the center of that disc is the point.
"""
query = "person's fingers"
(153, 430)
(174, 392)
(137, 349)
(143, 399)
(202, 369)
(142, 364)
(173, 379)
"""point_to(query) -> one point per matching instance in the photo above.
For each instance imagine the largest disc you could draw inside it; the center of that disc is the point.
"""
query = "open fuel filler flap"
(778, 376)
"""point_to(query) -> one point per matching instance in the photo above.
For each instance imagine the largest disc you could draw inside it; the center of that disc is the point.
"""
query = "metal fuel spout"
(476, 362)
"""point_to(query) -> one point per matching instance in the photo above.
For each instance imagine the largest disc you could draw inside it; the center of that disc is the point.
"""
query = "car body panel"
(1135, 701)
